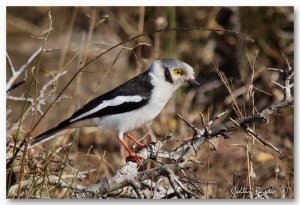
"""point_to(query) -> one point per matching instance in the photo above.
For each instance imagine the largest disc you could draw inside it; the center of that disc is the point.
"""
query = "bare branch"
(278, 84)
(15, 74)
(196, 130)
(11, 66)
(21, 99)
(263, 141)
(275, 70)
(171, 176)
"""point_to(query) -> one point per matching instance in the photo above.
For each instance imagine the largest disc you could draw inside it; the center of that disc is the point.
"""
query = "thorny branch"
(129, 176)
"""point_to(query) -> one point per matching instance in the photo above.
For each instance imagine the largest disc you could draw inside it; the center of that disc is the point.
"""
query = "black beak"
(193, 83)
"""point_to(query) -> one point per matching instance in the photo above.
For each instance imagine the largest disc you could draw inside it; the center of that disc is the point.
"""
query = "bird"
(130, 105)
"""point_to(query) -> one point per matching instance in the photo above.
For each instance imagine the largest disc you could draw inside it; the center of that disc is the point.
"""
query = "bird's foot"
(137, 158)
(132, 156)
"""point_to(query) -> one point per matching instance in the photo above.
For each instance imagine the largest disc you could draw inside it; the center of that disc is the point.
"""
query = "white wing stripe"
(113, 102)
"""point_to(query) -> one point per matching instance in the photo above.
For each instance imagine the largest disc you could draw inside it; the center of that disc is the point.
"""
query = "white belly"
(126, 122)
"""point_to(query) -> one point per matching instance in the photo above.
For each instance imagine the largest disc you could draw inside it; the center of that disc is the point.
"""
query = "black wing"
(140, 85)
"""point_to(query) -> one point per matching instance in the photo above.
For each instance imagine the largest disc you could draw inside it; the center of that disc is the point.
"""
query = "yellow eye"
(178, 71)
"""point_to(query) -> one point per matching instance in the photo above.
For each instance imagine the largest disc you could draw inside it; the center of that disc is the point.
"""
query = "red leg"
(137, 158)
(139, 144)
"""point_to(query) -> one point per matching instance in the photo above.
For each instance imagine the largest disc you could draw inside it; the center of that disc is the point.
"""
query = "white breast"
(126, 122)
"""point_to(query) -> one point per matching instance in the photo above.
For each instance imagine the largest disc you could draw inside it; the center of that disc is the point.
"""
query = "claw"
(137, 158)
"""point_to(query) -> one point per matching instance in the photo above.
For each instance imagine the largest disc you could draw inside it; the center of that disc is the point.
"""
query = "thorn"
(189, 124)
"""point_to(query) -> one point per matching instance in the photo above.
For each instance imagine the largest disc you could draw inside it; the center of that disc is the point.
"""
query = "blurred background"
(79, 34)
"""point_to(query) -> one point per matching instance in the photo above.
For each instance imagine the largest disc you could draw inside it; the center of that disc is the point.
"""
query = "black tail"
(49, 133)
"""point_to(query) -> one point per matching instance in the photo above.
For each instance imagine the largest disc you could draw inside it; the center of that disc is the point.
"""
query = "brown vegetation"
(54, 66)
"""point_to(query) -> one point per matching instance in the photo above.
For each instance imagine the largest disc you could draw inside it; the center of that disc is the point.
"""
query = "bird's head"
(174, 71)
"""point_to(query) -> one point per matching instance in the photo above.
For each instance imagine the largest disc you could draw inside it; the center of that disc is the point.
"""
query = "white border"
(149, 3)
(3, 100)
